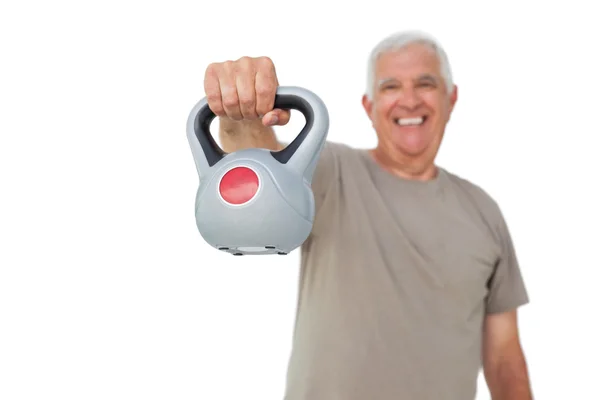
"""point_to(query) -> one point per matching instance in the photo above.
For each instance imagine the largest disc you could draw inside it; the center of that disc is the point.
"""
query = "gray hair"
(399, 40)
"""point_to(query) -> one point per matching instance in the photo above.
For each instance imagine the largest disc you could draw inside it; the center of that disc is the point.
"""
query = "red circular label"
(239, 185)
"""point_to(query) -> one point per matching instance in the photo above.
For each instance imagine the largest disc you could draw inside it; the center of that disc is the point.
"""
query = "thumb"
(276, 117)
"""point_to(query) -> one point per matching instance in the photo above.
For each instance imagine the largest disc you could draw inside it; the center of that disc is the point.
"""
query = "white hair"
(399, 40)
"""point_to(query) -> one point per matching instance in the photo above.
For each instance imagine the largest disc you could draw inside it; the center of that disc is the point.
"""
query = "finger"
(212, 90)
(271, 118)
(265, 86)
(283, 116)
(229, 94)
(276, 117)
(245, 83)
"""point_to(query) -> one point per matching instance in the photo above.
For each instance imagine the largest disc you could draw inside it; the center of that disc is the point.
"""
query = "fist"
(244, 90)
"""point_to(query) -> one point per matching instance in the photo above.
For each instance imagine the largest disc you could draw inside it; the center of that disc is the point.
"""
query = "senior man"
(409, 281)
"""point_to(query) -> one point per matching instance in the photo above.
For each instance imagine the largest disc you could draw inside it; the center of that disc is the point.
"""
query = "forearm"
(509, 380)
(238, 135)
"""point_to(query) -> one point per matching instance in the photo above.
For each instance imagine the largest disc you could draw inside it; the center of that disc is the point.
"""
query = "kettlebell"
(255, 200)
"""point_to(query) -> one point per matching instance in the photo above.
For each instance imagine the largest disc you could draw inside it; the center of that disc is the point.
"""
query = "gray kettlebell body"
(258, 201)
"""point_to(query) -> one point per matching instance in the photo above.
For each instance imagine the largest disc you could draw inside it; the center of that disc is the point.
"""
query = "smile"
(410, 121)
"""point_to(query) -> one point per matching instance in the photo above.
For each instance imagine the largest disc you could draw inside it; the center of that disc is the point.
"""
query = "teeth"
(410, 121)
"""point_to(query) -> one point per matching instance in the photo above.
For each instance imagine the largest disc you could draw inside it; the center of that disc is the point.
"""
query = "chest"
(428, 241)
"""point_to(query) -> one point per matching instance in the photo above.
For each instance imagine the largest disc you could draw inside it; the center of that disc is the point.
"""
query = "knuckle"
(212, 67)
(244, 61)
(246, 100)
(265, 89)
(216, 108)
(264, 61)
(213, 99)
(230, 101)
(243, 66)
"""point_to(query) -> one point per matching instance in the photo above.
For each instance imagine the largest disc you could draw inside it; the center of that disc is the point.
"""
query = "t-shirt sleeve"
(507, 289)
(325, 173)
(324, 177)
(324, 183)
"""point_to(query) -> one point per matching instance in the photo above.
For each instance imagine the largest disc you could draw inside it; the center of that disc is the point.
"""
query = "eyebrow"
(385, 80)
(428, 77)
(424, 77)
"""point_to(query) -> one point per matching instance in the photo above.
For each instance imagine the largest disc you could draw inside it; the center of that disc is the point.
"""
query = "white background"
(107, 290)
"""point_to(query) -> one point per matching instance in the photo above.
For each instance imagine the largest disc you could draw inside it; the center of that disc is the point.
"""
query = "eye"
(427, 85)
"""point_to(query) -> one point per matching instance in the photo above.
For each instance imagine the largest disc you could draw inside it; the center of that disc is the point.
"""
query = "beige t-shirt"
(395, 281)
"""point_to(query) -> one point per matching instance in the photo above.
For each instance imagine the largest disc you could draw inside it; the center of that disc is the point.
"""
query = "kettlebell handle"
(300, 154)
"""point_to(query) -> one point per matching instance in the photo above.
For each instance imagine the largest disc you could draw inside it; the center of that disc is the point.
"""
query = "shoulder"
(341, 154)
(332, 151)
(338, 149)
(335, 156)
(468, 187)
(476, 198)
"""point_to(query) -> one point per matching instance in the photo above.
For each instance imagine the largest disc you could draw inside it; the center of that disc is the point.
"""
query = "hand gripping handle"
(300, 155)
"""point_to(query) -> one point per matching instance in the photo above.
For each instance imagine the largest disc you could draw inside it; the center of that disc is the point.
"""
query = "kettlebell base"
(252, 250)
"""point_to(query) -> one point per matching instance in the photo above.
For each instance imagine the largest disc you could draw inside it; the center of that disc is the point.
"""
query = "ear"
(367, 105)
(453, 98)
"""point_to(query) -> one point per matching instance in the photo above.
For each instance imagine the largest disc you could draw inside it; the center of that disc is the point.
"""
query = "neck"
(414, 169)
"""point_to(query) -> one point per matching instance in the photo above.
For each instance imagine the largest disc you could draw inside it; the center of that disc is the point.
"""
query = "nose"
(409, 98)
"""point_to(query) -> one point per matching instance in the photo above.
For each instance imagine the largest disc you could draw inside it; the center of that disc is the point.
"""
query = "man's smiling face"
(411, 105)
